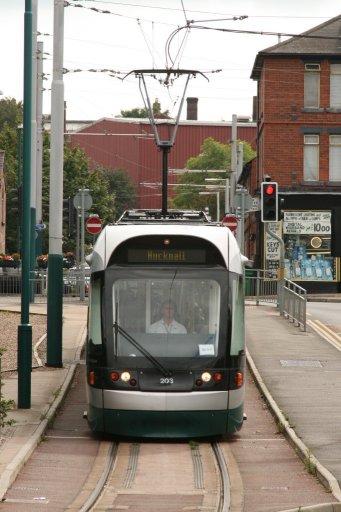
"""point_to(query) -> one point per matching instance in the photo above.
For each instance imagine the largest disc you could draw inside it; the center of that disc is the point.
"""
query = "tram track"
(126, 462)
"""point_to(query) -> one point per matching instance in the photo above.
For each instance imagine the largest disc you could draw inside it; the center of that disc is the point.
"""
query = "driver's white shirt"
(161, 327)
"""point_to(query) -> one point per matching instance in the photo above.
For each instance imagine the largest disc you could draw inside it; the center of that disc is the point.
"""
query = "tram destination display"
(166, 256)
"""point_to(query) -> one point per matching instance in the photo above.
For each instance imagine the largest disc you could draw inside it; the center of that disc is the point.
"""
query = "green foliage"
(213, 155)
(10, 118)
(135, 113)
(5, 405)
(111, 190)
(122, 187)
(11, 113)
(142, 112)
(76, 176)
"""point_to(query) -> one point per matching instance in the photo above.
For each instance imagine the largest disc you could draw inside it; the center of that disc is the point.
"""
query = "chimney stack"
(192, 109)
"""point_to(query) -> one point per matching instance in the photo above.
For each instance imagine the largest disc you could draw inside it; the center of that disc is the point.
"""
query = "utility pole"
(25, 329)
(55, 261)
(39, 215)
(233, 177)
(33, 144)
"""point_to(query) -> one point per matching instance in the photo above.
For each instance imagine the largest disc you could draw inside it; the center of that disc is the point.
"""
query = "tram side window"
(238, 329)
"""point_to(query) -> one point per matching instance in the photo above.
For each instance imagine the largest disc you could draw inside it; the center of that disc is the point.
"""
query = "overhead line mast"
(164, 145)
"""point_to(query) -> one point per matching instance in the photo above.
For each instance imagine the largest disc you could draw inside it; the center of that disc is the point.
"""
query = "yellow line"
(328, 329)
(326, 333)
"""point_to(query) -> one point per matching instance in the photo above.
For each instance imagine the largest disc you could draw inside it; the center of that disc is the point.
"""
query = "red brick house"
(299, 146)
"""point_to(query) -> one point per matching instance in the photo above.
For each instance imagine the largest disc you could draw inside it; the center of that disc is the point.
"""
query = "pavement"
(48, 388)
(297, 372)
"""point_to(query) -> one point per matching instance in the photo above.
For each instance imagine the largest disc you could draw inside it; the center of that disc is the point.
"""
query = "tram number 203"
(166, 380)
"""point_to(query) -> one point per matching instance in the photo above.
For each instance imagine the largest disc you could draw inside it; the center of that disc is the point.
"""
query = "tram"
(165, 345)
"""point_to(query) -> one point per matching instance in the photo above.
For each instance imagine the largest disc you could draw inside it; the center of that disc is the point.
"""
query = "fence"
(10, 284)
(261, 286)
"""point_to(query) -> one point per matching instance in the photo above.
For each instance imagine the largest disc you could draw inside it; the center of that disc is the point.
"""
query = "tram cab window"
(94, 347)
(192, 330)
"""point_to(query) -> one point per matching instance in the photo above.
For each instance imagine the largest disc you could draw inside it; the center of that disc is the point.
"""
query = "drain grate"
(300, 363)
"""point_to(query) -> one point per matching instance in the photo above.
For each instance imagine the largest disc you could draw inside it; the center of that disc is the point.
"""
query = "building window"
(312, 85)
(311, 157)
(335, 157)
(335, 85)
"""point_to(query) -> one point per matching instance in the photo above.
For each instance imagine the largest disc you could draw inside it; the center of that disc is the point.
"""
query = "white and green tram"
(145, 378)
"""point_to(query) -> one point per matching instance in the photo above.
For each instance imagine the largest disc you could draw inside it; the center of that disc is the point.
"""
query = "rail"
(261, 286)
(10, 285)
(295, 303)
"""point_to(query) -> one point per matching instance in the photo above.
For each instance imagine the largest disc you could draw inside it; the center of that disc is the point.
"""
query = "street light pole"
(25, 329)
(55, 261)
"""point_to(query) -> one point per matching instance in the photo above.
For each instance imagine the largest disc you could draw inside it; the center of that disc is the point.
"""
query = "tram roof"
(113, 235)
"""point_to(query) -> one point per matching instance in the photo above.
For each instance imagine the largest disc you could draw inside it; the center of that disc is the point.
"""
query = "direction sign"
(93, 225)
(82, 198)
(231, 222)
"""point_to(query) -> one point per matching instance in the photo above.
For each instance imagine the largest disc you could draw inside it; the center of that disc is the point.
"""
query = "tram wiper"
(136, 344)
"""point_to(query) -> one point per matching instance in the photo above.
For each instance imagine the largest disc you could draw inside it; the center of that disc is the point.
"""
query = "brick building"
(129, 144)
(299, 146)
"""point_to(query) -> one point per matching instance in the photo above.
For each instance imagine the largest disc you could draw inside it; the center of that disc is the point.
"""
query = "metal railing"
(295, 303)
(261, 286)
(10, 285)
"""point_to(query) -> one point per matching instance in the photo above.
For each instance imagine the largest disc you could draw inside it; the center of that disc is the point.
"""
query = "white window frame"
(312, 85)
(311, 157)
(335, 157)
(335, 85)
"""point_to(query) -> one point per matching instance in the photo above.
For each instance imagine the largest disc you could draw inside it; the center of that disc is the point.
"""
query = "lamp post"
(25, 328)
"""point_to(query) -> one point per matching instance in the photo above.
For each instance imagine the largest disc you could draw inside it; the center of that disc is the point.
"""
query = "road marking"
(332, 337)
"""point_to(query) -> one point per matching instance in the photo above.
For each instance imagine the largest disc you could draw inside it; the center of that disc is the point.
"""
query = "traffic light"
(15, 199)
(269, 201)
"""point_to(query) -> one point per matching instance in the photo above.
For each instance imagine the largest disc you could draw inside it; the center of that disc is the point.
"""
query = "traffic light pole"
(281, 268)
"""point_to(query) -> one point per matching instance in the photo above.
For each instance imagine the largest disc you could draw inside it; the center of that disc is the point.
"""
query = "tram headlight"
(125, 376)
(206, 377)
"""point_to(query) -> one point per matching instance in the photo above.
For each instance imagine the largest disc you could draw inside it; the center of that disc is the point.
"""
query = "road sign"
(93, 225)
(231, 222)
(82, 197)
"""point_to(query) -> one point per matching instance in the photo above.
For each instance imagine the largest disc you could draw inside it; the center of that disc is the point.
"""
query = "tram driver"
(167, 324)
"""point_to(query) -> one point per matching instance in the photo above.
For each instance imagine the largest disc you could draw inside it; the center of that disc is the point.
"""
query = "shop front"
(307, 250)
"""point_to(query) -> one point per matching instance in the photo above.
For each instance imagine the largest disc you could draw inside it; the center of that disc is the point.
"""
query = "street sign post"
(231, 222)
(93, 225)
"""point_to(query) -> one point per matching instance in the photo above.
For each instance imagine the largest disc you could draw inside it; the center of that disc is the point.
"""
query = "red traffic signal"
(269, 201)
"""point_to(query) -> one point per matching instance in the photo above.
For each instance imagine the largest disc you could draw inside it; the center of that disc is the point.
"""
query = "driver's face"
(168, 311)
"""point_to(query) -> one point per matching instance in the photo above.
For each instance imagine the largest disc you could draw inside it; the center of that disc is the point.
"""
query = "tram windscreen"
(176, 315)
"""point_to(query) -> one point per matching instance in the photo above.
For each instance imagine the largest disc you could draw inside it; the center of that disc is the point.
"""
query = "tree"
(76, 176)
(142, 112)
(11, 113)
(122, 187)
(213, 155)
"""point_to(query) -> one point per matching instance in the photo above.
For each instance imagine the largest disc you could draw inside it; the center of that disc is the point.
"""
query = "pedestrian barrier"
(261, 286)
(73, 280)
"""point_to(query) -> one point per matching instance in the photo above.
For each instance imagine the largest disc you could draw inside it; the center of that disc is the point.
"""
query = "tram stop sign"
(231, 222)
(93, 225)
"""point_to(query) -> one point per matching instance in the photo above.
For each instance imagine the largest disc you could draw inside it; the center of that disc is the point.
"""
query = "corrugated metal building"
(129, 144)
